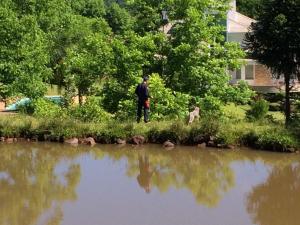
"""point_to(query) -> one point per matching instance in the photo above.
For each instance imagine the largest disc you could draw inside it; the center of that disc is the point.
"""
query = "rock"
(232, 147)
(203, 145)
(221, 146)
(138, 140)
(168, 144)
(211, 144)
(34, 138)
(121, 141)
(21, 139)
(89, 141)
(212, 138)
(199, 139)
(71, 141)
(291, 149)
(9, 140)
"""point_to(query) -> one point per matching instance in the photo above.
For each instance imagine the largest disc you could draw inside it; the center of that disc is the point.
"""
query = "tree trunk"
(287, 110)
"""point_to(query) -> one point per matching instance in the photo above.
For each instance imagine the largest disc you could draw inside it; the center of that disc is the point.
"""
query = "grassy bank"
(229, 132)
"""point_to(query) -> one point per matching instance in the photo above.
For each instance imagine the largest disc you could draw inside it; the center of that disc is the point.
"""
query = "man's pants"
(141, 105)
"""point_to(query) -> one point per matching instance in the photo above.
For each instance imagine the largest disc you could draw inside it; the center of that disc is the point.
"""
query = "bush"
(211, 106)
(258, 111)
(44, 108)
(207, 127)
(239, 94)
(276, 141)
(90, 111)
(275, 107)
(165, 104)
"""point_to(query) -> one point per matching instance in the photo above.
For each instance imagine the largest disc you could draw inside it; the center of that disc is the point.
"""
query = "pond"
(56, 184)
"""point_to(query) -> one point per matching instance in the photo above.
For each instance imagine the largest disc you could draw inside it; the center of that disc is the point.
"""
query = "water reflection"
(208, 176)
(277, 201)
(37, 179)
(144, 177)
(30, 184)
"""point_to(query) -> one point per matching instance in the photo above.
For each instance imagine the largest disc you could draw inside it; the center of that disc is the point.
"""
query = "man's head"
(145, 79)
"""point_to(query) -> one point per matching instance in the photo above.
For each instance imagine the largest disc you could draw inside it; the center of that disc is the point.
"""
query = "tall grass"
(223, 131)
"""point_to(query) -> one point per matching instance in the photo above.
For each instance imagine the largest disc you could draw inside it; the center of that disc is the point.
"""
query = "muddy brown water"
(55, 184)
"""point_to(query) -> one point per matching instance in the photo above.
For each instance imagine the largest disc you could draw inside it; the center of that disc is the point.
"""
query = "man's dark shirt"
(142, 92)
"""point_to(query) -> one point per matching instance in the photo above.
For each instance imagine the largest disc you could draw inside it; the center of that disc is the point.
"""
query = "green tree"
(274, 41)
(88, 61)
(199, 57)
(23, 55)
(134, 56)
(147, 14)
(119, 19)
(251, 8)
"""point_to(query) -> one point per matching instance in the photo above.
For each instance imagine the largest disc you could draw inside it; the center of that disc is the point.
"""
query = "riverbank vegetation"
(229, 129)
(98, 51)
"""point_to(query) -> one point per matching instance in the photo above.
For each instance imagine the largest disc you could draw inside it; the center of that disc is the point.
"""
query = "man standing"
(142, 93)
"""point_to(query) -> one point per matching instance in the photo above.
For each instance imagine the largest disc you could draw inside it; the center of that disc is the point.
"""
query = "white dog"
(194, 114)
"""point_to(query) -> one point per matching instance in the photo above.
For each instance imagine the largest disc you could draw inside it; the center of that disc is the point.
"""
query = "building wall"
(263, 76)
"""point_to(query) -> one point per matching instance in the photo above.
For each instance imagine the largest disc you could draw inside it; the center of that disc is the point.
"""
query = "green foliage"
(89, 8)
(211, 106)
(276, 141)
(147, 14)
(250, 8)
(88, 61)
(165, 104)
(44, 108)
(199, 56)
(274, 42)
(25, 70)
(90, 111)
(258, 111)
(239, 94)
(119, 19)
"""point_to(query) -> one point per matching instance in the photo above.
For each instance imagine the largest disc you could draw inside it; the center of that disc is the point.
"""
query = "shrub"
(207, 127)
(44, 108)
(275, 107)
(165, 103)
(276, 141)
(90, 111)
(239, 94)
(211, 106)
(258, 111)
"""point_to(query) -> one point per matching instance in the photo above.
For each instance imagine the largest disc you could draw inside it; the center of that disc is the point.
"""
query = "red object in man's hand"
(147, 104)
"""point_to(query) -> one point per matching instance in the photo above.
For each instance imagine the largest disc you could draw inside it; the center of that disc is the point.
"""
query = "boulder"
(211, 144)
(9, 140)
(21, 139)
(168, 144)
(232, 147)
(138, 140)
(89, 141)
(71, 141)
(120, 141)
(202, 145)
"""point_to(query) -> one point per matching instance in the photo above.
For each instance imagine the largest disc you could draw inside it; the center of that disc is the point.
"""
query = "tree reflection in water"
(277, 201)
(29, 184)
(208, 176)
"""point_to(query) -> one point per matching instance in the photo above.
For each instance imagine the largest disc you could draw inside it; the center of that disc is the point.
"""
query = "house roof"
(237, 22)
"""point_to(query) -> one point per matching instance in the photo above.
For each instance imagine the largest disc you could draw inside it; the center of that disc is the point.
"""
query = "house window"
(249, 72)
(238, 74)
